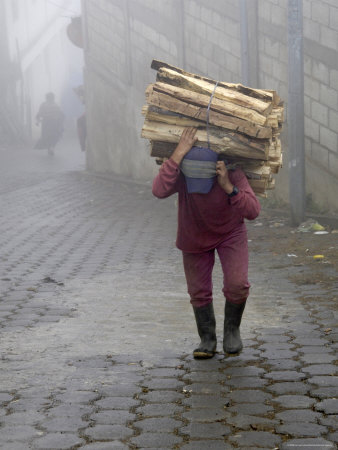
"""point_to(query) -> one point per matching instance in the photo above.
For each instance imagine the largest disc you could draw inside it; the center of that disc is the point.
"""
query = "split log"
(220, 106)
(263, 94)
(193, 84)
(166, 102)
(259, 186)
(228, 143)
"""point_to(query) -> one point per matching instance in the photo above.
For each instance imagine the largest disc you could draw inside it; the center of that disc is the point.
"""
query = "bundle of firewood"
(242, 124)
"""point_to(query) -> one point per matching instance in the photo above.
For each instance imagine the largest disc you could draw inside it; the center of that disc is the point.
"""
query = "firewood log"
(242, 124)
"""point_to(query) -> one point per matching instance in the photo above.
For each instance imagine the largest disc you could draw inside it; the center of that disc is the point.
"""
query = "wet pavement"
(97, 330)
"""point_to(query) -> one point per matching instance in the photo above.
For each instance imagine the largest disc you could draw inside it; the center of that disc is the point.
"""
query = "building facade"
(206, 37)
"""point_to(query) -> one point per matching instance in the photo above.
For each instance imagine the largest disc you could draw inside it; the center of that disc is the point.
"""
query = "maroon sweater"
(206, 220)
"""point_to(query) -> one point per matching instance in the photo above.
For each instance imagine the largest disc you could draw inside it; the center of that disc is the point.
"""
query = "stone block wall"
(205, 37)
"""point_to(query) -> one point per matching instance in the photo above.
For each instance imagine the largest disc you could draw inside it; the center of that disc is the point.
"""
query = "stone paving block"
(204, 388)
(111, 445)
(285, 375)
(113, 417)
(320, 369)
(10, 433)
(246, 382)
(166, 372)
(206, 430)
(207, 445)
(314, 350)
(209, 365)
(324, 358)
(249, 342)
(155, 409)
(288, 388)
(4, 315)
(164, 383)
(329, 421)
(272, 331)
(170, 358)
(324, 381)
(333, 437)
(310, 443)
(206, 415)
(64, 424)
(124, 377)
(15, 445)
(328, 406)
(269, 346)
(298, 415)
(160, 424)
(245, 371)
(202, 377)
(272, 338)
(65, 410)
(5, 398)
(246, 355)
(278, 354)
(294, 401)
(116, 403)
(283, 364)
(247, 422)
(48, 319)
(108, 432)
(77, 397)
(57, 441)
(255, 438)
(203, 401)
(254, 409)
(306, 331)
(161, 396)
(301, 429)
(249, 396)
(308, 341)
(333, 337)
(23, 418)
(18, 323)
(156, 440)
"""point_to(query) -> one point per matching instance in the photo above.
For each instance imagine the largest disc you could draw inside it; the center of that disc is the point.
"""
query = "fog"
(69, 48)
(38, 58)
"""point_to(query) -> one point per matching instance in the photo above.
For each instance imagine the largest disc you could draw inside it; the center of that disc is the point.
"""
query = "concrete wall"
(205, 37)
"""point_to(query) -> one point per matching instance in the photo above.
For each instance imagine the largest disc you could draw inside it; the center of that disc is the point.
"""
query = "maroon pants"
(233, 254)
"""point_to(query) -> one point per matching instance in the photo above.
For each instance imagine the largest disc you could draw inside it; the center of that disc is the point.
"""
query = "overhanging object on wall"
(74, 31)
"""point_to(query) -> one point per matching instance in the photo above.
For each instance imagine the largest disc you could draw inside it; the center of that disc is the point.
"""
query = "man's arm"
(166, 182)
(187, 140)
(245, 201)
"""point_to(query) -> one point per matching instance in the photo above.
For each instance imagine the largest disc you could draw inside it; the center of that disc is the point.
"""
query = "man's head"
(50, 97)
(199, 169)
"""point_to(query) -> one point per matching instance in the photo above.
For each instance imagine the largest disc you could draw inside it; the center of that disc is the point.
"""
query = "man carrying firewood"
(213, 203)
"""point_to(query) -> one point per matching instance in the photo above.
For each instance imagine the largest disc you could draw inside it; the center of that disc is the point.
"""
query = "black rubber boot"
(232, 342)
(206, 326)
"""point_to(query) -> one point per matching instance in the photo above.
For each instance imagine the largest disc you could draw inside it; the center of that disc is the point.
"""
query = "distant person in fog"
(51, 119)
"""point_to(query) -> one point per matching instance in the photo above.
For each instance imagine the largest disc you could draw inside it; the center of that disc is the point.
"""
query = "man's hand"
(223, 177)
(187, 141)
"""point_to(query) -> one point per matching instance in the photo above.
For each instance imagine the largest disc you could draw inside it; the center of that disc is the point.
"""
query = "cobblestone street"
(97, 330)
